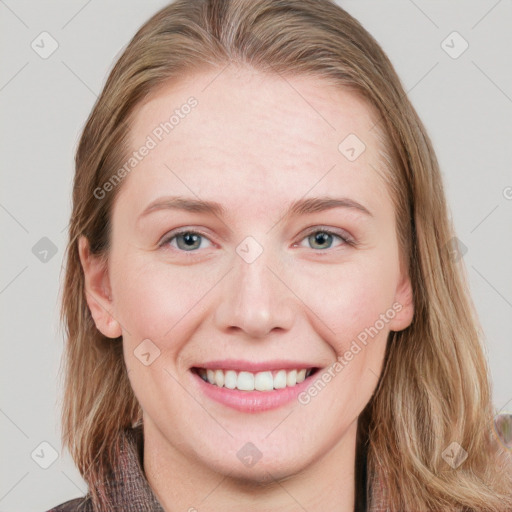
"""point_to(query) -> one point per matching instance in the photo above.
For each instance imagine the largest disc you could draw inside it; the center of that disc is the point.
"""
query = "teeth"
(230, 379)
(248, 381)
(280, 379)
(263, 381)
(219, 378)
(291, 378)
(301, 376)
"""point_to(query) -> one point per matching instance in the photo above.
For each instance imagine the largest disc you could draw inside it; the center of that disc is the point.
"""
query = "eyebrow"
(300, 207)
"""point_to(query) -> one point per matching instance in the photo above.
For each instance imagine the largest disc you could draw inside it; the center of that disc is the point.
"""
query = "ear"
(403, 305)
(97, 290)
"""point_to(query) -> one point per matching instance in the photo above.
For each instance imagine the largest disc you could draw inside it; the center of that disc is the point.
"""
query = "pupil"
(189, 238)
(321, 238)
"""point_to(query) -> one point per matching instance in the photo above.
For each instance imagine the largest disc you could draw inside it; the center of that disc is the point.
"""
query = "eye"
(186, 240)
(324, 238)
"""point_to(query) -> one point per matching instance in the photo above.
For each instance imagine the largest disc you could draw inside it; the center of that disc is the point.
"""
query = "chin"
(262, 474)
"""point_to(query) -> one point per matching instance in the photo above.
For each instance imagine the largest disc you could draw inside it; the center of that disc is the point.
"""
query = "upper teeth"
(248, 381)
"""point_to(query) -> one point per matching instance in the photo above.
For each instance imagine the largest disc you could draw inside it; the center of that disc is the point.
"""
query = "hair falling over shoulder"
(435, 386)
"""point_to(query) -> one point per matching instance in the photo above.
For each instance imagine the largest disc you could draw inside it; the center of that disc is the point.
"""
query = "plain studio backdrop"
(455, 61)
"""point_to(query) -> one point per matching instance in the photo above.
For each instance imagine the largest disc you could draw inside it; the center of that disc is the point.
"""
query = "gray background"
(465, 102)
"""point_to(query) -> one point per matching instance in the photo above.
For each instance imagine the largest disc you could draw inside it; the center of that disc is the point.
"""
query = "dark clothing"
(128, 490)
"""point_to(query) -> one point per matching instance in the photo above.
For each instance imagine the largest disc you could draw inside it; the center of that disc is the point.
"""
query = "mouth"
(265, 381)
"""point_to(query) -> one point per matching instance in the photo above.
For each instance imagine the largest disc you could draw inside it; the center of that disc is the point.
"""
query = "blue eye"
(185, 240)
(324, 237)
(189, 241)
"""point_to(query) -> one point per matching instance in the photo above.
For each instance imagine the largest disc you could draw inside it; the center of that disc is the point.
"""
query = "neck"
(182, 483)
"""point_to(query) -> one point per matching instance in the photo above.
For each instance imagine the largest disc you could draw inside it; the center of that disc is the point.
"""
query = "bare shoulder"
(76, 505)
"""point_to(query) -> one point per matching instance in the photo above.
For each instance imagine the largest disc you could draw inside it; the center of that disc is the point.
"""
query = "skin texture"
(254, 143)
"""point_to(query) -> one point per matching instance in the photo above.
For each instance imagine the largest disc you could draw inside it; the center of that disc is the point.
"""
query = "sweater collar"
(129, 489)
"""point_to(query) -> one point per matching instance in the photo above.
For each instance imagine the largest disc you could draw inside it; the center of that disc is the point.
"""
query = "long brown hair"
(434, 389)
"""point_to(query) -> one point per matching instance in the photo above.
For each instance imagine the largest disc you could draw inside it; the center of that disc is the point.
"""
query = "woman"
(262, 304)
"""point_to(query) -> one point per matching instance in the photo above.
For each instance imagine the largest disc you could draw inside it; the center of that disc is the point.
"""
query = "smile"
(254, 381)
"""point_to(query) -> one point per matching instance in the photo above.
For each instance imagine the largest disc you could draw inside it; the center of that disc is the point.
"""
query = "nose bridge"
(255, 300)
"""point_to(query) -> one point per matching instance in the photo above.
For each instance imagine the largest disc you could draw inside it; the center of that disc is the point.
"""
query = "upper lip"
(251, 366)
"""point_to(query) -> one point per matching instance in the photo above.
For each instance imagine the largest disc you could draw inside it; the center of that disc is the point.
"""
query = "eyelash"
(346, 240)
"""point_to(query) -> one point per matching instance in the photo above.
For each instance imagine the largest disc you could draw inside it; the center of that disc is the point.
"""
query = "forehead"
(251, 133)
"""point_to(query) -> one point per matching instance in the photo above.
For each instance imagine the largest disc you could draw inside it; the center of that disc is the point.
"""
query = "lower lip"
(252, 401)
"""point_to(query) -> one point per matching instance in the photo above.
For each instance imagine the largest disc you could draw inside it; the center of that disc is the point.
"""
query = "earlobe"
(403, 305)
(97, 290)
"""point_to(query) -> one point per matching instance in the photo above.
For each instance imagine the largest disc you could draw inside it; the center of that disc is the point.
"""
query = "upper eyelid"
(173, 234)
(343, 235)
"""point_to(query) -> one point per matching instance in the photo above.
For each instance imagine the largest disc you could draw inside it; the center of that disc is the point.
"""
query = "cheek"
(360, 337)
(355, 303)
(144, 301)
(159, 301)
(351, 297)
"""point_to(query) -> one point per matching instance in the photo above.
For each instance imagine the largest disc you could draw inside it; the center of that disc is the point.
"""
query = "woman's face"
(252, 285)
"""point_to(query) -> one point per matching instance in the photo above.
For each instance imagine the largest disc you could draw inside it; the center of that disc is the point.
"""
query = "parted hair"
(435, 386)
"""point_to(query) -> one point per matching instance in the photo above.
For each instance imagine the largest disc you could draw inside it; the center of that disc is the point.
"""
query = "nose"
(255, 298)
